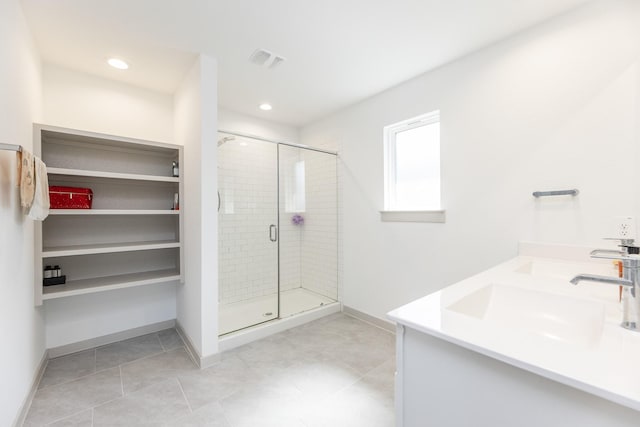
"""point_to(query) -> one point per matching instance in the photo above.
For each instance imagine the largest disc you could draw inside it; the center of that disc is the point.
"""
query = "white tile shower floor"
(239, 315)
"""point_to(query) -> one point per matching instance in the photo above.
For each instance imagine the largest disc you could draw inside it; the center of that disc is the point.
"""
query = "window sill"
(413, 216)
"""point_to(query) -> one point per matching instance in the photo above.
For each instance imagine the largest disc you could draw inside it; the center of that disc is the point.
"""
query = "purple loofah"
(297, 219)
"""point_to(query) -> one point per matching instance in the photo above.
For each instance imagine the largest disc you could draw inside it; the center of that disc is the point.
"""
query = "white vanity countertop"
(525, 312)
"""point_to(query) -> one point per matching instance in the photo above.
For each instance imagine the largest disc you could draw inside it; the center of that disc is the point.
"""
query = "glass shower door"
(308, 230)
(248, 232)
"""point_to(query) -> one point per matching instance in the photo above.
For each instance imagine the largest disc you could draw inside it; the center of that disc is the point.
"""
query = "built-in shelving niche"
(132, 236)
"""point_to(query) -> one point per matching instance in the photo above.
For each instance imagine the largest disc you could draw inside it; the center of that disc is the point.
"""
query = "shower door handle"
(273, 233)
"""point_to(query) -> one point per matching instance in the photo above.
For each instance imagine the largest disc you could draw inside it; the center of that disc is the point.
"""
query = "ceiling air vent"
(275, 61)
(265, 58)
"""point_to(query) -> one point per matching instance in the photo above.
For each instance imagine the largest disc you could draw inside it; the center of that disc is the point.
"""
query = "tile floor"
(336, 371)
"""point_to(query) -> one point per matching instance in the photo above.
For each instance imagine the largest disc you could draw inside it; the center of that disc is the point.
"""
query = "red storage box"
(70, 197)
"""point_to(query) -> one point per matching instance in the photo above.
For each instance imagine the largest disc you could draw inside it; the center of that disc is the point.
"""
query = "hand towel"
(40, 206)
(27, 179)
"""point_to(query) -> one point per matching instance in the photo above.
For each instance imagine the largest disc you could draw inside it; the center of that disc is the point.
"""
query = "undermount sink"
(554, 318)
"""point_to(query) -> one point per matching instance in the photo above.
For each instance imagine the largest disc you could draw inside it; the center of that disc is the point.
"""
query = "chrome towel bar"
(572, 192)
(10, 147)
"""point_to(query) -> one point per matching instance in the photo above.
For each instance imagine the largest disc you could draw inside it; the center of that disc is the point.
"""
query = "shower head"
(225, 139)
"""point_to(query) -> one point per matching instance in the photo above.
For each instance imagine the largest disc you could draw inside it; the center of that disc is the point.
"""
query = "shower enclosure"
(278, 231)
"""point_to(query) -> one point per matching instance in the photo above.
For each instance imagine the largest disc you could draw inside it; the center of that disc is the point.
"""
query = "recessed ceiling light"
(117, 63)
(265, 107)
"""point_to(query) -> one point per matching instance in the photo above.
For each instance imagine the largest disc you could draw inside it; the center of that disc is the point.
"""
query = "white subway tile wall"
(328, 141)
(249, 195)
(319, 242)
(290, 234)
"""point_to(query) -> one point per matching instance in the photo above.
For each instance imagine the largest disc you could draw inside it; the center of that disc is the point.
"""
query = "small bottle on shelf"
(175, 170)
(176, 202)
(48, 272)
(56, 271)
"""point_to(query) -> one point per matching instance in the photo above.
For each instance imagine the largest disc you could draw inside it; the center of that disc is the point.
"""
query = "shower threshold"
(239, 315)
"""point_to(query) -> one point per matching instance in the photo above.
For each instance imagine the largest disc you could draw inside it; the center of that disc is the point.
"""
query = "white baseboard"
(209, 360)
(24, 409)
(111, 338)
(200, 361)
(375, 321)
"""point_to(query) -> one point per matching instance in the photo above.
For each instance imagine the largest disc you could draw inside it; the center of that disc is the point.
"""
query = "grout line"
(126, 396)
(184, 395)
(76, 379)
(376, 367)
(146, 357)
(102, 404)
(123, 395)
(231, 393)
(121, 381)
(70, 415)
(122, 391)
(346, 386)
(160, 341)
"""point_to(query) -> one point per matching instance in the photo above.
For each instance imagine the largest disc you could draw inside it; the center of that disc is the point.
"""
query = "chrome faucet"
(630, 280)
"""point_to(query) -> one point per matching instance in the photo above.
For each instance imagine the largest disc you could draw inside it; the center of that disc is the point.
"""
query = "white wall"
(81, 101)
(83, 317)
(21, 325)
(78, 100)
(235, 122)
(554, 107)
(196, 129)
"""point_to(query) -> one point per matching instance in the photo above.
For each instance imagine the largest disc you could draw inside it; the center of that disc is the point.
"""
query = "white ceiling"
(338, 51)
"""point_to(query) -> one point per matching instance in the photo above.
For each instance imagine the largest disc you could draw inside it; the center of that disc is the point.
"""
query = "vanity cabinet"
(443, 384)
(132, 236)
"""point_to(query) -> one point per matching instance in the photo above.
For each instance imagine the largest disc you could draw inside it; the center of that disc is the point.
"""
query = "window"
(295, 187)
(412, 164)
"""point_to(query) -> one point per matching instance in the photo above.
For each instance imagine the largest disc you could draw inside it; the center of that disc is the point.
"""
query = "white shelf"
(133, 195)
(78, 138)
(106, 248)
(110, 175)
(101, 284)
(113, 212)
